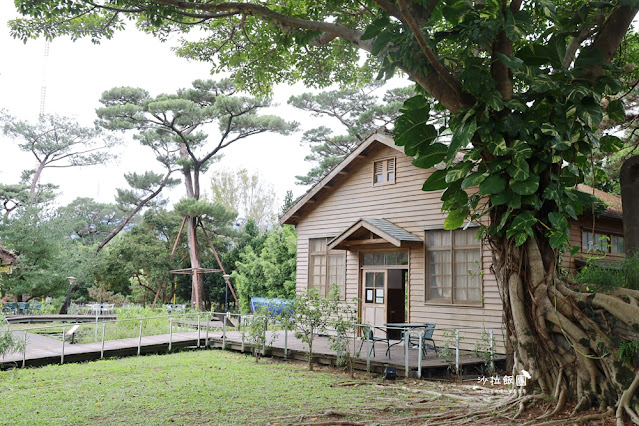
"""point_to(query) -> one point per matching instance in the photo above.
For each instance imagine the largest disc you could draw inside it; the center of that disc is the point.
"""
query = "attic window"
(384, 171)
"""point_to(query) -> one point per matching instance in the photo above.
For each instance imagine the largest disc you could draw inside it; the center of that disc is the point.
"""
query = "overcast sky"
(75, 75)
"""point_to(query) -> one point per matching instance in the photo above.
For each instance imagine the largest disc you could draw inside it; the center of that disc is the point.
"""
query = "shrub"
(618, 274)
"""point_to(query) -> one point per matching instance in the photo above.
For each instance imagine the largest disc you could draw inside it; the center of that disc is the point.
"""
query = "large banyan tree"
(526, 85)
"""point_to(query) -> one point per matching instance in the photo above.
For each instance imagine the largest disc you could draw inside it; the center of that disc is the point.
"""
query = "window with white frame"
(453, 266)
(384, 171)
(601, 241)
(326, 267)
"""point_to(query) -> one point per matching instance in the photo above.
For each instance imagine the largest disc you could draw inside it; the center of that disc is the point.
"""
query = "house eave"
(292, 215)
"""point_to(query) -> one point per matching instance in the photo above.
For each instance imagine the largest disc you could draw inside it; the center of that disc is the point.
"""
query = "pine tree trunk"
(194, 252)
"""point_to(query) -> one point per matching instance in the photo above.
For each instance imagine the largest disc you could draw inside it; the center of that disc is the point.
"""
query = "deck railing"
(103, 330)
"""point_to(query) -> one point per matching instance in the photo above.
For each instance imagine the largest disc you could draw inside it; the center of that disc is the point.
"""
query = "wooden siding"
(602, 224)
(403, 203)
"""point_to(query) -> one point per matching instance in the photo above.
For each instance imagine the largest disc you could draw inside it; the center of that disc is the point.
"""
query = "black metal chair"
(427, 335)
(368, 333)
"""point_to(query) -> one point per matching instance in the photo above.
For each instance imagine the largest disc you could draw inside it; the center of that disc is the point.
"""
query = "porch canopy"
(374, 233)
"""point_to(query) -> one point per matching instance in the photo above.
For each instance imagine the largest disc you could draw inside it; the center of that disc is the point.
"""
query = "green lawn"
(200, 387)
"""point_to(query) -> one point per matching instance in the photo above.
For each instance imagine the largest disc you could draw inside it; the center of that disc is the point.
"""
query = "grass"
(203, 387)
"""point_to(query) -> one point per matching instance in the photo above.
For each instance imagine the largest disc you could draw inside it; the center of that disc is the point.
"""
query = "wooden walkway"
(42, 350)
(31, 319)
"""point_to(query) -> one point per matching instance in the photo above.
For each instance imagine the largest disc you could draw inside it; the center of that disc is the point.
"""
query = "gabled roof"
(612, 202)
(292, 215)
(388, 231)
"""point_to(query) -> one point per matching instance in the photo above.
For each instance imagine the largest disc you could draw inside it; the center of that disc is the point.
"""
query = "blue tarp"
(275, 305)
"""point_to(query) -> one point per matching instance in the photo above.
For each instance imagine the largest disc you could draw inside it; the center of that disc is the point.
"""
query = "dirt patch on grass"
(436, 401)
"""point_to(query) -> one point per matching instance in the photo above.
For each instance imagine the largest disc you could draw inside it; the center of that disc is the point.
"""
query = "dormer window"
(384, 171)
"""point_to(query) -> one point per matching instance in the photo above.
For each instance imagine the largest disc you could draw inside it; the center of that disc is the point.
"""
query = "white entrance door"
(374, 289)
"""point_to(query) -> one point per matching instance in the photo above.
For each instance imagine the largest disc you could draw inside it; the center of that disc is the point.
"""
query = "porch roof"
(387, 232)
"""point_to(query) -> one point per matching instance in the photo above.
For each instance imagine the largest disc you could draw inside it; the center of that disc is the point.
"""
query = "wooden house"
(368, 227)
(599, 234)
(7, 260)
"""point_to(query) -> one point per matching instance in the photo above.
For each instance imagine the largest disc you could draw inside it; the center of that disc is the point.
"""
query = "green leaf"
(380, 43)
(454, 11)
(616, 110)
(590, 113)
(523, 221)
(473, 179)
(552, 193)
(435, 181)
(610, 143)
(493, 184)
(526, 187)
(412, 129)
(516, 105)
(432, 155)
(494, 100)
(521, 238)
(607, 85)
(519, 169)
(558, 220)
(461, 137)
(498, 164)
(519, 148)
(578, 93)
(515, 200)
(548, 129)
(497, 145)
(504, 219)
(574, 250)
(455, 218)
(558, 239)
(548, 8)
(511, 62)
(502, 198)
(375, 28)
(460, 171)
(559, 144)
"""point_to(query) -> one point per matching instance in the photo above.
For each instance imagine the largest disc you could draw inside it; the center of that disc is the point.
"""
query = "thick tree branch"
(434, 61)
(498, 70)
(610, 37)
(137, 208)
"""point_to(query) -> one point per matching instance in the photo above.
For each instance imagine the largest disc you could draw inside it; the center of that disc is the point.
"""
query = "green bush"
(618, 274)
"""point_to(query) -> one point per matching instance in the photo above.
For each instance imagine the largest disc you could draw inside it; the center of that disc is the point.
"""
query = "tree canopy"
(357, 109)
(57, 142)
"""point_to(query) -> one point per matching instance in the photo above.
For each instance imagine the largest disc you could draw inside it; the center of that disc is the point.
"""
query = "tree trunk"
(194, 252)
(563, 334)
(35, 180)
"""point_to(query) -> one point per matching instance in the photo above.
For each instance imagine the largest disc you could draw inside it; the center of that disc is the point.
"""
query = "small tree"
(254, 331)
(311, 314)
(344, 321)
(9, 342)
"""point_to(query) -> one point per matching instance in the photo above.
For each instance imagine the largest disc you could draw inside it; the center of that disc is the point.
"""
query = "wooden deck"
(42, 350)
